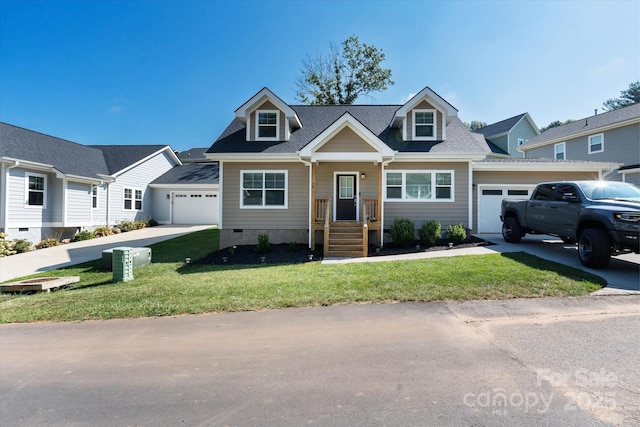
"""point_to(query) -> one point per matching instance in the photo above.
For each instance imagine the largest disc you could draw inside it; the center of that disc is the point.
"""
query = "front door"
(346, 198)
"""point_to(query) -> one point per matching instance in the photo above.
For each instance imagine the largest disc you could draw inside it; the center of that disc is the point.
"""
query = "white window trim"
(433, 173)
(133, 199)
(556, 151)
(96, 196)
(26, 191)
(435, 125)
(601, 135)
(263, 206)
(257, 125)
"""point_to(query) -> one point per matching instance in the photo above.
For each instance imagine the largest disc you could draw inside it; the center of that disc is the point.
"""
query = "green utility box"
(141, 257)
(122, 264)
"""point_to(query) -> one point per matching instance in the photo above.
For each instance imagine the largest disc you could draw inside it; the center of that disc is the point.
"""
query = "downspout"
(309, 225)
(470, 195)
(5, 210)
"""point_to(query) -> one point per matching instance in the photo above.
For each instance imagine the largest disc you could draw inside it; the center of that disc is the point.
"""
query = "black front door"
(346, 201)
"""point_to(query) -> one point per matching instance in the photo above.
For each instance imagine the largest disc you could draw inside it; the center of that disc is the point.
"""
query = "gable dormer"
(424, 117)
(267, 117)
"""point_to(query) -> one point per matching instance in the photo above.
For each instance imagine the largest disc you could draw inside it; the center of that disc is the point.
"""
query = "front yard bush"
(457, 233)
(402, 232)
(21, 245)
(126, 225)
(430, 232)
(83, 235)
(263, 243)
(48, 243)
(6, 247)
(102, 231)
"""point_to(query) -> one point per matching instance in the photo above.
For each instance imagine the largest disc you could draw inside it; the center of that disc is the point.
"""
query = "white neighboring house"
(51, 187)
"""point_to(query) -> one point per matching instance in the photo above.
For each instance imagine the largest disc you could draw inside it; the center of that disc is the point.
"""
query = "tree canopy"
(340, 76)
(475, 125)
(555, 124)
(627, 97)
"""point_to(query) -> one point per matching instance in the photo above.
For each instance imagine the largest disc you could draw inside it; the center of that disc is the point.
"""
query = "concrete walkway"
(78, 252)
(622, 275)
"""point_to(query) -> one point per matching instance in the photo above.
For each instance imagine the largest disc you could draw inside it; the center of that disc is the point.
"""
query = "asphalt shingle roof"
(193, 155)
(119, 157)
(500, 127)
(66, 156)
(316, 118)
(69, 157)
(191, 173)
(592, 123)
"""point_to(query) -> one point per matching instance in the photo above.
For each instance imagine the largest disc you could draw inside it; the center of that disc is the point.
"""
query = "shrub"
(6, 247)
(126, 225)
(263, 243)
(153, 223)
(102, 232)
(22, 245)
(457, 233)
(293, 246)
(48, 243)
(402, 232)
(83, 235)
(430, 232)
(139, 225)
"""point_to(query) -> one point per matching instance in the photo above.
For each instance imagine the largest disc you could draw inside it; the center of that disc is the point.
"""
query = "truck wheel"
(594, 248)
(511, 230)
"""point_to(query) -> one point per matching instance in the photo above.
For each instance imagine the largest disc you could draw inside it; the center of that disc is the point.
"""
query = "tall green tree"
(475, 125)
(343, 74)
(555, 124)
(627, 97)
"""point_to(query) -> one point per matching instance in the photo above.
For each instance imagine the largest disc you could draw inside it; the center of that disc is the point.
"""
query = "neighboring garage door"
(195, 207)
(489, 202)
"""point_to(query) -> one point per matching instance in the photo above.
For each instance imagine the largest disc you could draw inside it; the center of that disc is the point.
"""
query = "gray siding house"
(315, 173)
(613, 136)
(506, 137)
(51, 187)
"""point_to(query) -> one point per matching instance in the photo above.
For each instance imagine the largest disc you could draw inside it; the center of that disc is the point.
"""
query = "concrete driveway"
(78, 252)
(622, 274)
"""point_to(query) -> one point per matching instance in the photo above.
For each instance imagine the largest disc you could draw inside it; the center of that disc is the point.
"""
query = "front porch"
(345, 238)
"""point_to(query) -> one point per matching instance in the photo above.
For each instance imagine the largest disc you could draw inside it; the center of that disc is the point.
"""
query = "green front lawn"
(168, 287)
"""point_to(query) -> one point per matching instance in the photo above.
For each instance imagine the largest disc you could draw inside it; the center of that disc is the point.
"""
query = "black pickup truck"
(603, 217)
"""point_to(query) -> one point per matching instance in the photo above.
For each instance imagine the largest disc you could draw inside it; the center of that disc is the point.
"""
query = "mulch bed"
(285, 254)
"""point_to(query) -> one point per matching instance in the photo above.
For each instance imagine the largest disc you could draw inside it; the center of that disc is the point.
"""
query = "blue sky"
(173, 72)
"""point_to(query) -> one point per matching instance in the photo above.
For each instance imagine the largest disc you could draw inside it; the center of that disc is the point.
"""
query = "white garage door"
(489, 202)
(195, 207)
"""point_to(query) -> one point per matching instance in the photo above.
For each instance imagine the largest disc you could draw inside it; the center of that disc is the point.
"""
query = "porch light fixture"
(363, 175)
(168, 196)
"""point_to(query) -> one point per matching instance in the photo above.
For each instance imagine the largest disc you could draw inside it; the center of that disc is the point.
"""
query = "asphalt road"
(570, 361)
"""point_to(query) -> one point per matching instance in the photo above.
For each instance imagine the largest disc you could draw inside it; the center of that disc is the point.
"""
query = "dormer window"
(424, 124)
(268, 125)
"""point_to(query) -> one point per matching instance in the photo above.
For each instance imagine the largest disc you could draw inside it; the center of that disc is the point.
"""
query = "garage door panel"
(195, 207)
(490, 201)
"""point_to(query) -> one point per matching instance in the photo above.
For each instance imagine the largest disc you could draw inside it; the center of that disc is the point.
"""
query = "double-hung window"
(267, 125)
(419, 186)
(424, 124)
(132, 199)
(263, 189)
(596, 143)
(36, 190)
(559, 151)
(94, 197)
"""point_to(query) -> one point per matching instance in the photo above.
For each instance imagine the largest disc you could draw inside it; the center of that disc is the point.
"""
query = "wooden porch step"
(345, 240)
